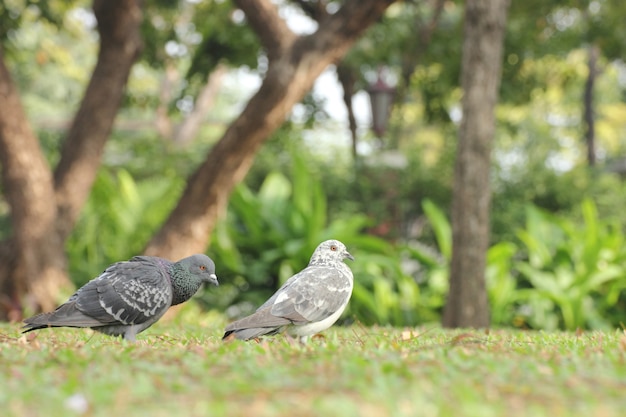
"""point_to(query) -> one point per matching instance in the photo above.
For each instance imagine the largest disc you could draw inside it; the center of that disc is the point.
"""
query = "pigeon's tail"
(66, 315)
(36, 323)
(40, 321)
(247, 334)
(260, 323)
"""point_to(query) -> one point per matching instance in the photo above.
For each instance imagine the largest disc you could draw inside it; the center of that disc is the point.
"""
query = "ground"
(181, 367)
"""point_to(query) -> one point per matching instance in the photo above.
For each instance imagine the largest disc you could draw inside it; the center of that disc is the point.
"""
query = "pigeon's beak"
(348, 255)
(213, 280)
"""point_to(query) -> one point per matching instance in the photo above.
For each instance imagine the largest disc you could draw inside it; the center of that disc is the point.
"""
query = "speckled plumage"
(130, 296)
(309, 302)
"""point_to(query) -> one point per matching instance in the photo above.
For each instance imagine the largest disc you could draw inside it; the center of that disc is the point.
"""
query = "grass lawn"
(180, 367)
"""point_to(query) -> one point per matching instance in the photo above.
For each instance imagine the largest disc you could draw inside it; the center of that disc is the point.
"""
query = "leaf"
(441, 228)
(274, 192)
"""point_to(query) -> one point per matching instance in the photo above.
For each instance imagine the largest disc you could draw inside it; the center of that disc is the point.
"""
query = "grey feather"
(128, 297)
(308, 302)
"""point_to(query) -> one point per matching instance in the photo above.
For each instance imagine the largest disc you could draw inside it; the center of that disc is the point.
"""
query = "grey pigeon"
(309, 302)
(128, 297)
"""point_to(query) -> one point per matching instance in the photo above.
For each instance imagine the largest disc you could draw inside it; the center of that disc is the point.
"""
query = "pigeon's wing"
(132, 292)
(315, 294)
(270, 301)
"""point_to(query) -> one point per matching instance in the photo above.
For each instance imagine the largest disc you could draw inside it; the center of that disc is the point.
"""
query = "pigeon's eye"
(202, 268)
(333, 248)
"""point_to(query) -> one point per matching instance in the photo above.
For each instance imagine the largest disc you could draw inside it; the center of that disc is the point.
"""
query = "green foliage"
(270, 235)
(182, 366)
(147, 156)
(15, 13)
(501, 286)
(576, 271)
(49, 65)
(561, 275)
(118, 220)
(223, 39)
(398, 43)
(200, 35)
(275, 222)
(432, 267)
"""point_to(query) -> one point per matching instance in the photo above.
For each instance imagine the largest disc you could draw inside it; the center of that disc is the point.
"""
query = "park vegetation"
(168, 127)
(556, 254)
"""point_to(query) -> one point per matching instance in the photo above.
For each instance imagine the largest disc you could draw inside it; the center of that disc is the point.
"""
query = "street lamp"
(381, 99)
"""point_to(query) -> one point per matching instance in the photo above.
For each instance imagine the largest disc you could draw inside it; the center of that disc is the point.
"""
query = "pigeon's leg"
(131, 334)
(295, 340)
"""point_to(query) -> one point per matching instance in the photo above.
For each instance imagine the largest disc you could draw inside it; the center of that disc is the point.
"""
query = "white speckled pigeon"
(128, 297)
(309, 302)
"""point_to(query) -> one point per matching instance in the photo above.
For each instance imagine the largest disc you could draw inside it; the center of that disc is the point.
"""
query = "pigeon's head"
(330, 251)
(201, 267)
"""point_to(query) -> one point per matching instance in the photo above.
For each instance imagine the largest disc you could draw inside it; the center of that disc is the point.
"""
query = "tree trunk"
(294, 64)
(33, 260)
(467, 304)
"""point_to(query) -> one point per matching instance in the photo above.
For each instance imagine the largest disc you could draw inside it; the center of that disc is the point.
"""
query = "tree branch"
(351, 20)
(316, 10)
(271, 29)
(289, 77)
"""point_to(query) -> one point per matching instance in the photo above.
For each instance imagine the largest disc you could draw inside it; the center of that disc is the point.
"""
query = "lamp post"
(381, 99)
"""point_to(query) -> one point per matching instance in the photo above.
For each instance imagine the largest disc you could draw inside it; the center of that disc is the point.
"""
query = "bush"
(573, 273)
(270, 235)
(562, 274)
(557, 272)
(119, 218)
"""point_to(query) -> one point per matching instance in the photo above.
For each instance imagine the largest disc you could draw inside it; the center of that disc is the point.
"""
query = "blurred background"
(556, 257)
